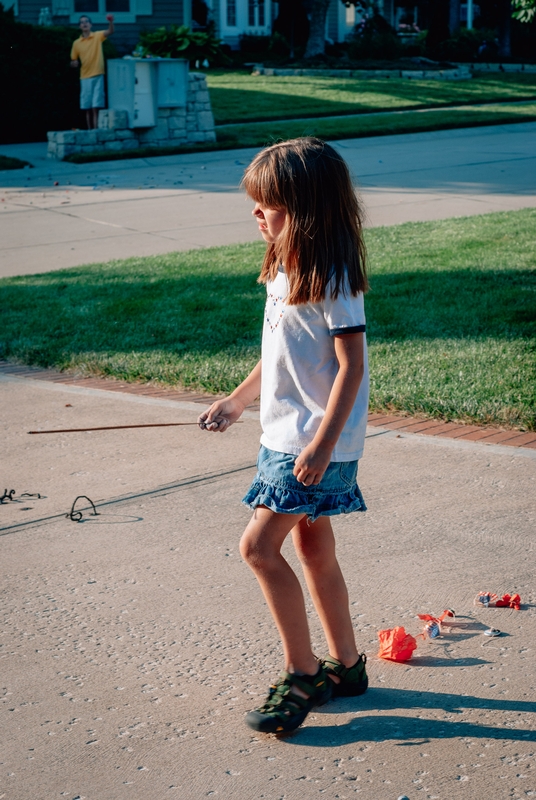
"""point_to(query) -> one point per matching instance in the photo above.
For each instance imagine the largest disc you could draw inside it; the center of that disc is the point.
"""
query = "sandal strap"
(309, 684)
(282, 701)
(334, 666)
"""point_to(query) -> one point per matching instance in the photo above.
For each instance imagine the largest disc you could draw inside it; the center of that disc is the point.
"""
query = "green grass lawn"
(451, 318)
(240, 97)
(255, 134)
(259, 134)
(301, 106)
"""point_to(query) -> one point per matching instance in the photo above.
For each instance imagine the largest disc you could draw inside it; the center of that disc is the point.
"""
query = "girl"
(313, 384)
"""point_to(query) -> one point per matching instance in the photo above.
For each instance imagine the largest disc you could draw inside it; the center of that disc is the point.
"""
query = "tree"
(292, 23)
(524, 10)
(454, 16)
(504, 10)
(316, 44)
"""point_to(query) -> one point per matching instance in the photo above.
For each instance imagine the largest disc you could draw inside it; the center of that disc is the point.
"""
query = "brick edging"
(454, 430)
(398, 422)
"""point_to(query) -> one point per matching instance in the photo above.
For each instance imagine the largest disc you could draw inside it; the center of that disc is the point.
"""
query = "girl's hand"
(311, 464)
(220, 415)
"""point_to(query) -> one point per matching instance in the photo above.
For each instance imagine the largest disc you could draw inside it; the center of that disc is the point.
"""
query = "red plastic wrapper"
(448, 612)
(432, 629)
(396, 644)
(509, 601)
(487, 599)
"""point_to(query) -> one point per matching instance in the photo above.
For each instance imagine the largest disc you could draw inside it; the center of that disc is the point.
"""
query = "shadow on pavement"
(415, 730)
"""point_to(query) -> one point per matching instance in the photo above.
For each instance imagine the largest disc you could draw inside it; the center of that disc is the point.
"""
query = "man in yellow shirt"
(87, 53)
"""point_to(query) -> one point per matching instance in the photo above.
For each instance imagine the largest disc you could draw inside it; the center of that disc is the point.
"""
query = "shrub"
(470, 45)
(39, 87)
(179, 41)
(279, 46)
(273, 49)
(373, 37)
(254, 47)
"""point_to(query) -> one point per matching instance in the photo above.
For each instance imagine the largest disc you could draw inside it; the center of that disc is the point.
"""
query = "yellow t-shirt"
(89, 51)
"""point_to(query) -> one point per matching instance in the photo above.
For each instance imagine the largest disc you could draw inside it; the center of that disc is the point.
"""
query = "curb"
(393, 422)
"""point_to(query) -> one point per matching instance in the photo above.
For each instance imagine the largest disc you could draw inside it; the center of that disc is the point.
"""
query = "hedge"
(39, 90)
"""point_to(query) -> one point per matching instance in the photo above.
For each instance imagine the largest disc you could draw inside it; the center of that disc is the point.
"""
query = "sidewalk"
(135, 641)
(119, 209)
(401, 423)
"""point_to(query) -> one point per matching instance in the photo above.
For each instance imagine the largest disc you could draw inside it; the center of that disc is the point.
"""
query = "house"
(233, 18)
(131, 16)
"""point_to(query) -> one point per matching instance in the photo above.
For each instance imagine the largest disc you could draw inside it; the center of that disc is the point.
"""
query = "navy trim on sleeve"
(351, 329)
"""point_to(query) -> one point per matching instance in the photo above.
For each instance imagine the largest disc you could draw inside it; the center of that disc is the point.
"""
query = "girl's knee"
(254, 550)
(315, 553)
(314, 559)
(247, 548)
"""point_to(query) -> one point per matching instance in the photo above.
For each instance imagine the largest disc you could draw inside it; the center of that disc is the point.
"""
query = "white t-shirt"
(299, 367)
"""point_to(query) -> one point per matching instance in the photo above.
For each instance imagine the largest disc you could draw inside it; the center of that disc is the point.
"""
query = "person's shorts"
(92, 92)
(275, 487)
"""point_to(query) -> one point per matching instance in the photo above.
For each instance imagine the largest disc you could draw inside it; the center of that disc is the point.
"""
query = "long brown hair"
(322, 238)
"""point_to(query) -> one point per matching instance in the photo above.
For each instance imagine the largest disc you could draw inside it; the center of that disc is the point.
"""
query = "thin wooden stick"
(118, 427)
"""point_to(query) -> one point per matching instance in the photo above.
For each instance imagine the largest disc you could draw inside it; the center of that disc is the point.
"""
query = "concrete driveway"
(134, 642)
(117, 209)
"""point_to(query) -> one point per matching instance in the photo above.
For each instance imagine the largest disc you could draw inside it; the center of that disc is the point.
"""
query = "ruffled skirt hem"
(285, 501)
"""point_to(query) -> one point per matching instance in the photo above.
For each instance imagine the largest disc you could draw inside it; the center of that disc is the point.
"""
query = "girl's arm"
(314, 459)
(223, 413)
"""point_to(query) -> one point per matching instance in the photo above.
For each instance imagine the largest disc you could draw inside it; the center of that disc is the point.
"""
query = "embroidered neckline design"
(278, 303)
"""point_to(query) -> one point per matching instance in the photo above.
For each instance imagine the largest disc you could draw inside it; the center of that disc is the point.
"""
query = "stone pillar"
(174, 127)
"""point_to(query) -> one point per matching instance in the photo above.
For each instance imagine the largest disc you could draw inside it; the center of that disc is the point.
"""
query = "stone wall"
(483, 67)
(175, 126)
(459, 73)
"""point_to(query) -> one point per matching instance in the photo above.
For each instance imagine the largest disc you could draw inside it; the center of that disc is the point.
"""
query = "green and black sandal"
(353, 681)
(284, 711)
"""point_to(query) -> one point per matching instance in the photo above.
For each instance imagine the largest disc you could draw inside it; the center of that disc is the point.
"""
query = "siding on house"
(332, 21)
(29, 11)
(340, 21)
(245, 18)
(165, 12)
(126, 34)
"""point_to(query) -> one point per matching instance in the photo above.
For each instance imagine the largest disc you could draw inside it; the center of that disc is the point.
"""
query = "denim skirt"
(275, 487)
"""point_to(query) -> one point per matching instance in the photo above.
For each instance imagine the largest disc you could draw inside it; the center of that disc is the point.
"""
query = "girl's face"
(271, 221)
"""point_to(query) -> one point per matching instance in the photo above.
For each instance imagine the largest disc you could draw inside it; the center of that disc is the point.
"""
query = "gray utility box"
(140, 86)
(172, 82)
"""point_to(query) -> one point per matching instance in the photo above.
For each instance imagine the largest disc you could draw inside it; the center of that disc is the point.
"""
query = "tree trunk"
(316, 43)
(438, 26)
(454, 16)
(388, 12)
(504, 29)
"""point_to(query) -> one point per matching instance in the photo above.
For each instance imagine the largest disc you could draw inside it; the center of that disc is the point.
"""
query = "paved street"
(156, 205)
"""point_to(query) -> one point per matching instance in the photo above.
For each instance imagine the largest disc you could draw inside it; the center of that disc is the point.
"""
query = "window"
(117, 6)
(123, 10)
(256, 15)
(231, 13)
(86, 6)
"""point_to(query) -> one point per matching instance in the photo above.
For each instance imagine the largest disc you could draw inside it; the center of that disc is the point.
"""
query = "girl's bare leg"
(260, 547)
(315, 547)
